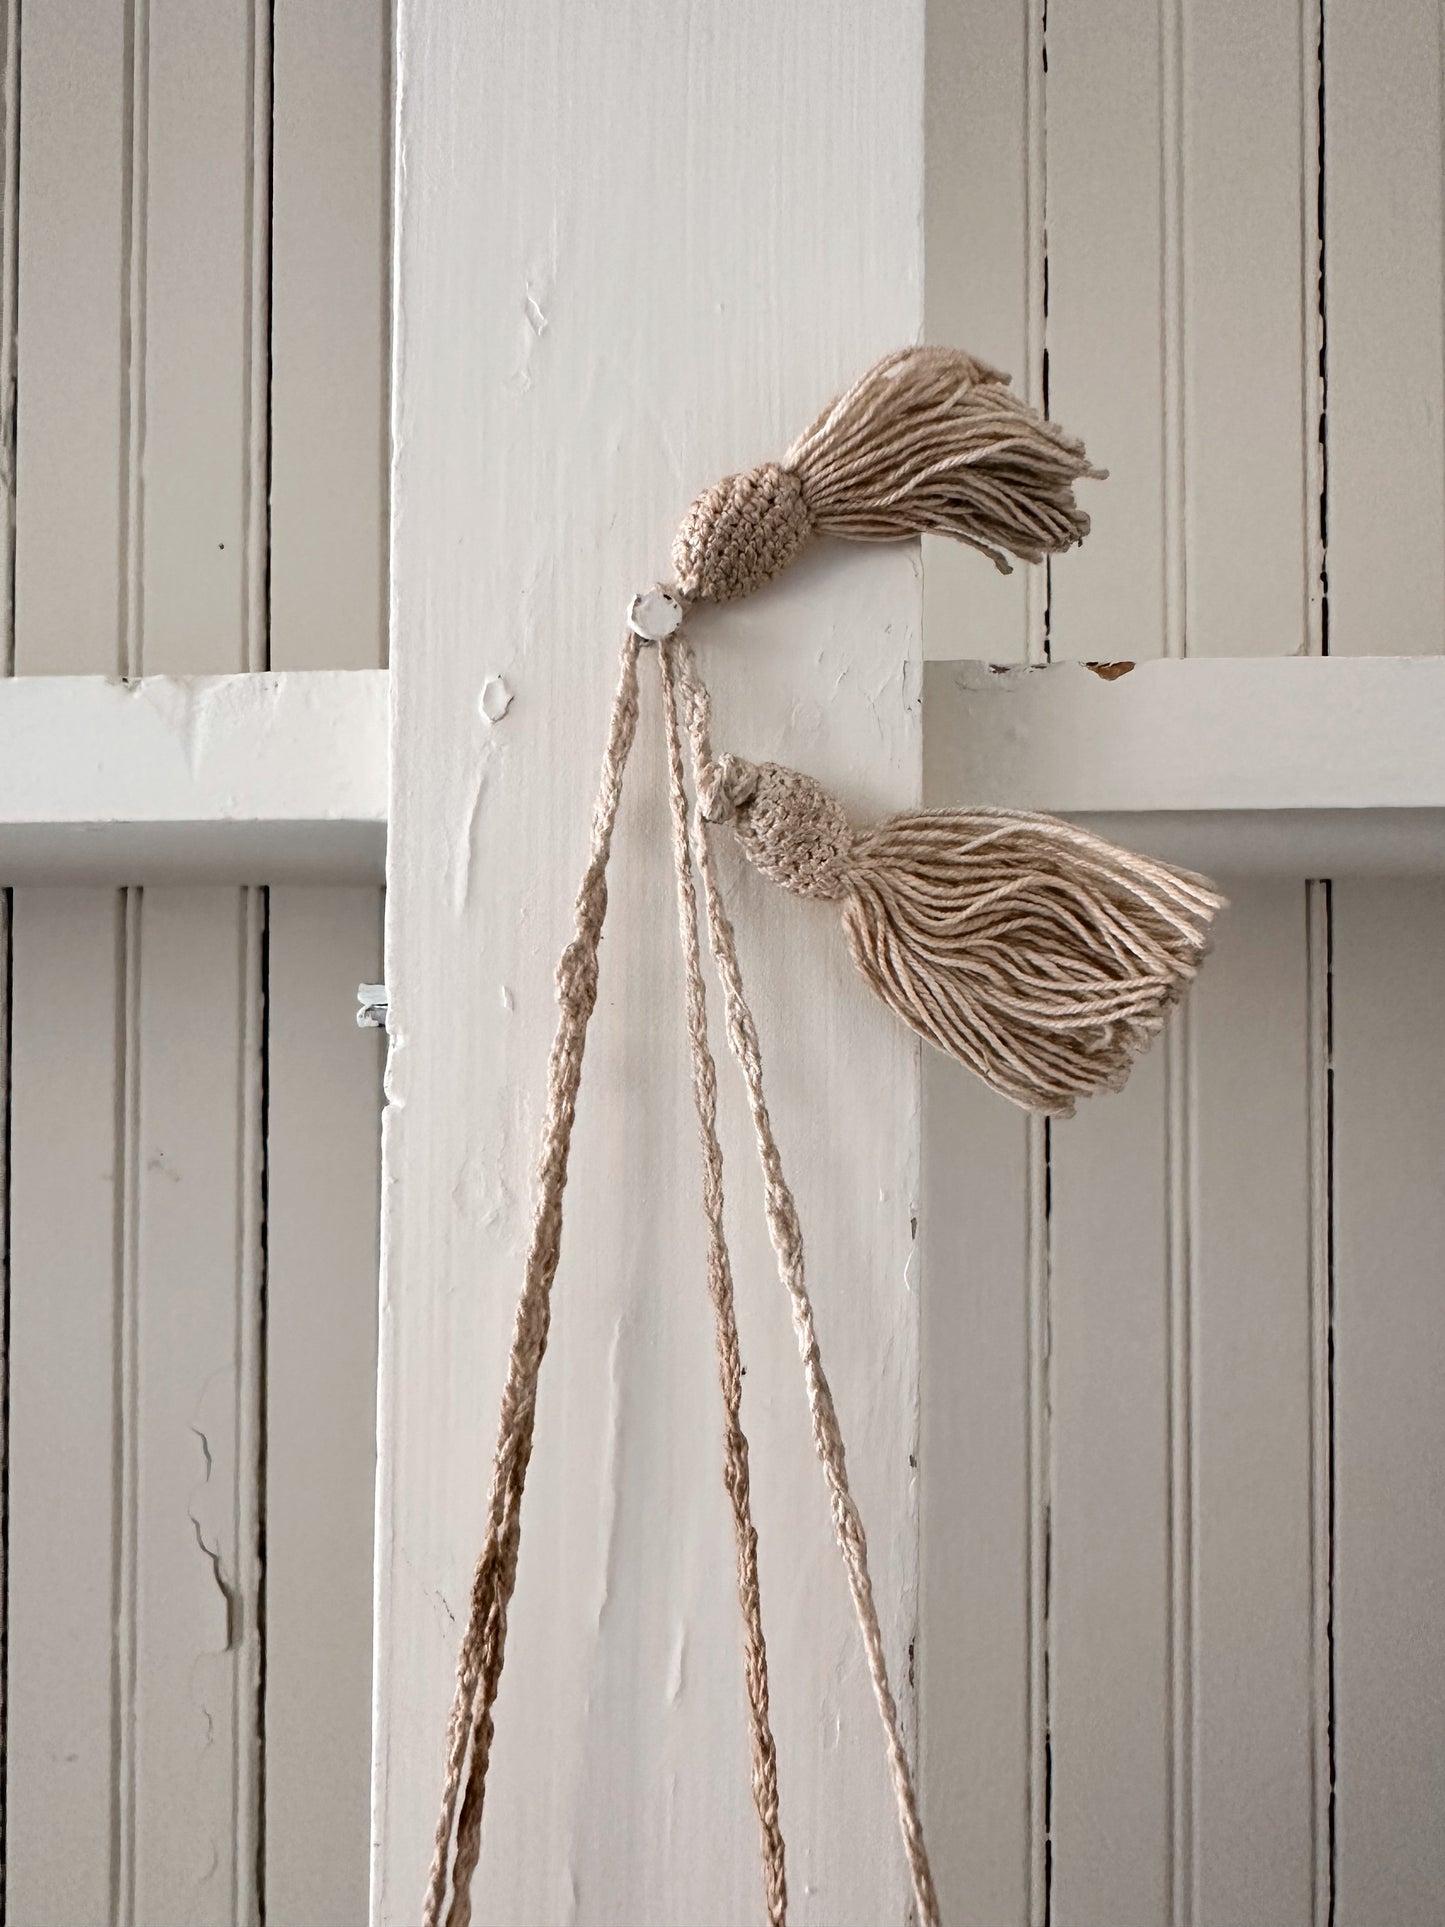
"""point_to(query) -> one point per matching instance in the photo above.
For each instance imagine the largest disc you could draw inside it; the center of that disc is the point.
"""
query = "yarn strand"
(479, 1663)
(787, 1239)
(720, 1289)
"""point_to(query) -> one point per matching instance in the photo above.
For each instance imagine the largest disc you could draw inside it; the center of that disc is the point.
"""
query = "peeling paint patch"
(1109, 671)
(495, 699)
(677, 1667)
(978, 677)
(464, 850)
(612, 1453)
(212, 1553)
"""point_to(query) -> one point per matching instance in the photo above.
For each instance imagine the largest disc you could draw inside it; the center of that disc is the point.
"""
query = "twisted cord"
(787, 1238)
(479, 1664)
(720, 1289)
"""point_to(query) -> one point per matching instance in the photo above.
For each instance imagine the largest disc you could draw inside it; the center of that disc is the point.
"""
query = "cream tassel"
(1034, 952)
(929, 441)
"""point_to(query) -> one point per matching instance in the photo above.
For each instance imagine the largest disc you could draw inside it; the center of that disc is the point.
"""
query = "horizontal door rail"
(1309, 766)
(249, 778)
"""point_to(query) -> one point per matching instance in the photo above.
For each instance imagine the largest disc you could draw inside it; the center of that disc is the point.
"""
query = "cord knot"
(725, 787)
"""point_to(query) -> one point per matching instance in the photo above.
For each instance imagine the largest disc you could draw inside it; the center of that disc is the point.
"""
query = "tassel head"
(929, 441)
(1037, 954)
(744, 530)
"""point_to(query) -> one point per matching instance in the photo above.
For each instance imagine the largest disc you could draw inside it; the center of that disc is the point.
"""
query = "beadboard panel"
(330, 333)
(323, 1150)
(982, 1622)
(67, 1173)
(1385, 339)
(984, 278)
(143, 1388)
(213, 1456)
(72, 453)
(201, 459)
(1122, 211)
(1389, 1418)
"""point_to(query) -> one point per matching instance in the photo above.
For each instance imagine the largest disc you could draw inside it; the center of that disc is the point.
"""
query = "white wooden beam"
(248, 778)
(1306, 766)
(637, 247)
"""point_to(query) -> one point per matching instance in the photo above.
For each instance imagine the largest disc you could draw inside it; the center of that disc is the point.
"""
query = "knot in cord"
(725, 787)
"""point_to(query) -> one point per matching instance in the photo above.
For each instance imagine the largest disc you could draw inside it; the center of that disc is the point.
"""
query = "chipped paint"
(495, 700)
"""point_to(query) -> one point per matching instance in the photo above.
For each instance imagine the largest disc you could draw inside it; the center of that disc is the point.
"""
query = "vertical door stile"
(593, 328)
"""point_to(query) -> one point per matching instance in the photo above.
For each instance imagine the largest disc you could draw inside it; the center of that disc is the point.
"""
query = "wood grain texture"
(323, 1148)
(591, 328)
(1389, 1359)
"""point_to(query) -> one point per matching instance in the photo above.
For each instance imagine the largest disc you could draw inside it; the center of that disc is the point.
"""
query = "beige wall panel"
(1389, 1368)
(330, 330)
(1386, 330)
(72, 461)
(323, 1108)
(68, 1182)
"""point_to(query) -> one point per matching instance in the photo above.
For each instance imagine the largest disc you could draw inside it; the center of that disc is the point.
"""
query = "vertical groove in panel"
(1037, 610)
(1315, 385)
(1037, 601)
(9, 282)
(257, 523)
(127, 1365)
(7, 983)
(1173, 449)
(250, 1460)
(1322, 1413)
(1181, 1497)
(133, 342)
(1035, 374)
(1040, 1484)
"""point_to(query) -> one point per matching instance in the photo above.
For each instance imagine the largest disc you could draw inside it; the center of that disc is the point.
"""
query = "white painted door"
(193, 332)
(1155, 1413)
(1184, 1448)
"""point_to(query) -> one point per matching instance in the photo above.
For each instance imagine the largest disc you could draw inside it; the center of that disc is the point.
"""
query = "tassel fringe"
(929, 441)
(1036, 953)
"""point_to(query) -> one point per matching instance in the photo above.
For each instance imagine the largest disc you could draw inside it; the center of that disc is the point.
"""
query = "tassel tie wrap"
(1040, 956)
(928, 442)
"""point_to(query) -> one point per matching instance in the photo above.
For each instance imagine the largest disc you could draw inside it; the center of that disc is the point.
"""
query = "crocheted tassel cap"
(1034, 952)
(929, 441)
